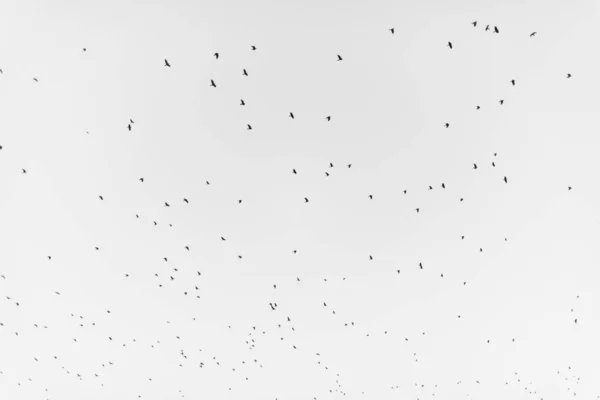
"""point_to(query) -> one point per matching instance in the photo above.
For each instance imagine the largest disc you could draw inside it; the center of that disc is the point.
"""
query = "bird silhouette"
(216, 55)
(450, 45)
(167, 63)
(212, 83)
(245, 73)
(253, 48)
(242, 103)
(496, 29)
(392, 30)
(533, 34)
(339, 58)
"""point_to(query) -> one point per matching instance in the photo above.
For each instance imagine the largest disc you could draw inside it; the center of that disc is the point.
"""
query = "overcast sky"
(526, 269)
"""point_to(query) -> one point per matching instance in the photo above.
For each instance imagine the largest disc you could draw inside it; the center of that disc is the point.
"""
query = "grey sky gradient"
(388, 99)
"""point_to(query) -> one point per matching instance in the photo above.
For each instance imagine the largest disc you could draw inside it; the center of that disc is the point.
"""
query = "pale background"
(389, 100)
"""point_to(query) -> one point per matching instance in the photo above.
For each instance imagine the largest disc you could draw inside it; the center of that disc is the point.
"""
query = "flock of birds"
(254, 336)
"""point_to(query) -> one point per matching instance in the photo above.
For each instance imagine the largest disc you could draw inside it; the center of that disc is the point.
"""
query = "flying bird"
(513, 82)
(392, 30)
(450, 45)
(167, 63)
(568, 76)
(533, 34)
(245, 73)
(496, 29)
(212, 83)
(216, 55)
(249, 127)
(242, 103)
(474, 23)
(291, 115)
(328, 118)
(253, 48)
(339, 58)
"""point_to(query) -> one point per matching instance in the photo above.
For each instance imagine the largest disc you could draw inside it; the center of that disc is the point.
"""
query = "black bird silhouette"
(568, 76)
(474, 166)
(533, 34)
(245, 73)
(450, 45)
(496, 29)
(513, 82)
(24, 171)
(392, 30)
(141, 180)
(370, 257)
(101, 198)
(216, 55)
(501, 102)
(328, 118)
(167, 204)
(339, 58)
(487, 28)
(212, 83)
(291, 115)
(167, 63)
(294, 171)
(249, 127)
(223, 239)
(305, 200)
(474, 23)
(35, 79)
(447, 125)
(185, 200)
(443, 186)
(478, 107)
(330, 165)
(242, 103)
(371, 196)
(129, 127)
(349, 165)
(253, 48)
(505, 180)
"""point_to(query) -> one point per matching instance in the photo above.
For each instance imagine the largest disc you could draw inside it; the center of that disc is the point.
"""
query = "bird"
(447, 125)
(339, 58)
(167, 63)
(245, 73)
(101, 198)
(513, 82)
(242, 103)
(306, 200)
(478, 107)
(474, 166)
(487, 28)
(167, 204)
(186, 200)
(129, 127)
(291, 115)
(23, 171)
(450, 45)
(392, 30)
(505, 180)
(496, 29)
(35, 79)
(371, 196)
(253, 48)
(474, 23)
(568, 76)
(532, 34)
(328, 118)
(294, 171)
(212, 83)
(216, 55)
(249, 127)
(501, 102)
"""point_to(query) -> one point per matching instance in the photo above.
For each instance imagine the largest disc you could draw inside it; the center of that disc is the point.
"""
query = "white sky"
(389, 100)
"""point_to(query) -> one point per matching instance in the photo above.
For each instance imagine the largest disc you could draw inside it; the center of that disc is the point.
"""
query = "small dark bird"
(370, 257)
(430, 187)
(420, 265)
(496, 29)
(443, 186)
(330, 165)
(417, 210)
(223, 239)
(242, 103)
(141, 180)
(505, 180)
(513, 82)
(253, 48)
(371, 196)
(349, 165)
(167, 63)
(569, 188)
(186, 200)
(216, 55)
(392, 30)
(487, 28)
(291, 115)
(245, 73)
(101, 198)
(575, 320)
(478, 107)
(447, 125)
(568, 76)
(533, 34)
(187, 248)
(294, 171)
(167, 204)
(249, 127)
(305, 200)
(212, 83)
(129, 127)
(501, 102)
(24, 171)
(474, 23)
(328, 118)
(35, 79)
(450, 45)
(474, 166)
